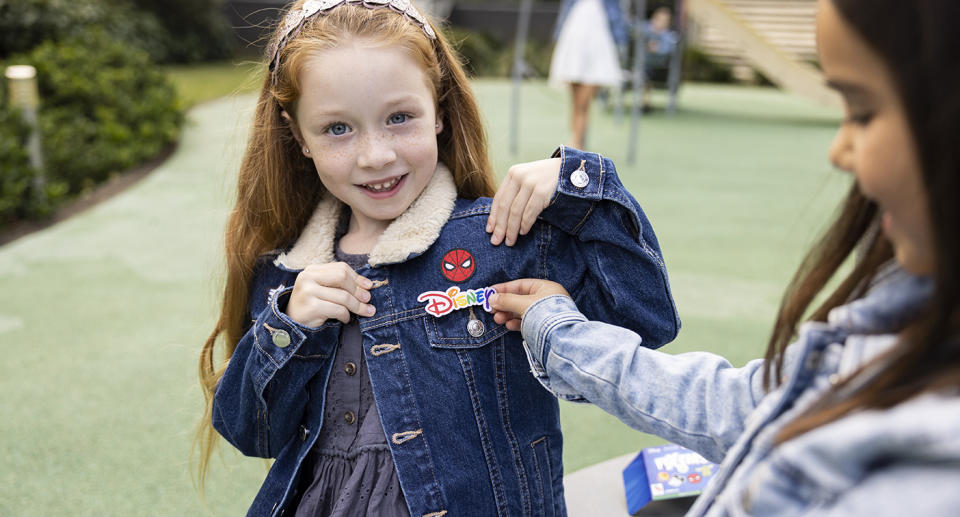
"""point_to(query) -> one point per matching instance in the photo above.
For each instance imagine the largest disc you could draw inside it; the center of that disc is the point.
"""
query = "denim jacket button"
(579, 178)
(349, 417)
(350, 368)
(475, 328)
(281, 338)
(304, 433)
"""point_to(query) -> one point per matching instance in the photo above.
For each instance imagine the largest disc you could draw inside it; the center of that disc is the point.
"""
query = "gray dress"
(350, 470)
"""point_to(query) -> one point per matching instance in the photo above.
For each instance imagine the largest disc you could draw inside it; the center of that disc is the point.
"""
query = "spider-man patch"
(457, 265)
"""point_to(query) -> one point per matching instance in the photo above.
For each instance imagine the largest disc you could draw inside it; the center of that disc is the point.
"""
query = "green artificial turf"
(103, 315)
(208, 81)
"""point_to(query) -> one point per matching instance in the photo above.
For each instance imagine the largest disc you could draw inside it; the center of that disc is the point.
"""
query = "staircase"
(776, 37)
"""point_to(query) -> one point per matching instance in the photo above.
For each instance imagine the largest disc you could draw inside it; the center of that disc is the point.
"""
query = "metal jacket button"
(349, 417)
(475, 328)
(350, 368)
(579, 178)
(281, 338)
(304, 433)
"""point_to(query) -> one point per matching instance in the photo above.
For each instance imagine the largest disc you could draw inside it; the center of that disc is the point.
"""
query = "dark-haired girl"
(860, 414)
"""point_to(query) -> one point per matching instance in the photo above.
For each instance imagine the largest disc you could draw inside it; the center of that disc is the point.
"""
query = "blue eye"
(338, 129)
(399, 118)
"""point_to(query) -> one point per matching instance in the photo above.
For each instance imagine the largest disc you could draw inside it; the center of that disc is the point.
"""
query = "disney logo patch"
(440, 303)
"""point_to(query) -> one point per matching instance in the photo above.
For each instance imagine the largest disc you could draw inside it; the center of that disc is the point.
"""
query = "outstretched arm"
(696, 399)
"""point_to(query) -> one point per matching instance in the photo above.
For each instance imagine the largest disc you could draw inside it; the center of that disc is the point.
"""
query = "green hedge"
(16, 171)
(105, 107)
(171, 31)
(197, 30)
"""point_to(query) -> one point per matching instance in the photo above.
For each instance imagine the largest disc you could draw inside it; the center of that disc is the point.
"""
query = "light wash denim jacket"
(619, 28)
(470, 430)
(900, 462)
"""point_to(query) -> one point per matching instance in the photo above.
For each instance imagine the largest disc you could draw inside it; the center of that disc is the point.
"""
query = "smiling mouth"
(383, 186)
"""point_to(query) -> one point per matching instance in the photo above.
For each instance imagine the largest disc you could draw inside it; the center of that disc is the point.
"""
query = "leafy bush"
(17, 173)
(105, 108)
(18, 199)
(24, 24)
(198, 29)
(170, 31)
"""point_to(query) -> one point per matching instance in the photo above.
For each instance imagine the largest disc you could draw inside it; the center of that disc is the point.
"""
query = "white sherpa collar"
(411, 233)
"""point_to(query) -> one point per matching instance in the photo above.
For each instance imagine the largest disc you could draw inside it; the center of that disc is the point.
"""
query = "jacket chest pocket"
(467, 328)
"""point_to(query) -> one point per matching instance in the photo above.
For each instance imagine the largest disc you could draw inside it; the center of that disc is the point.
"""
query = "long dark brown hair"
(920, 44)
(278, 188)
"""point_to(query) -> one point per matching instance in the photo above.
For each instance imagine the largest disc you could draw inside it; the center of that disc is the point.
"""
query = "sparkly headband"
(294, 20)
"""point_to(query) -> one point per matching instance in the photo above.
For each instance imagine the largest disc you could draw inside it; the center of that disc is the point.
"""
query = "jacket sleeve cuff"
(586, 179)
(539, 319)
(279, 338)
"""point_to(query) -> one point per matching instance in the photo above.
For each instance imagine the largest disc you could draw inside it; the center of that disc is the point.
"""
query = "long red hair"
(278, 188)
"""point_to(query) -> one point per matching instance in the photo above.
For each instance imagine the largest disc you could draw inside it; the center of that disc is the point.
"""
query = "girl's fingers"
(515, 214)
(342, 276)
(519, 286)
(538, 202)
(499, 210)
(511, 304)
(345, 299)
(332, 310)
(329, 291)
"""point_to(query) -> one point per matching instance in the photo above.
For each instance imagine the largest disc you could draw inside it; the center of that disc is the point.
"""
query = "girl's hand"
(515, 297)
(524, 193)
(329, 291)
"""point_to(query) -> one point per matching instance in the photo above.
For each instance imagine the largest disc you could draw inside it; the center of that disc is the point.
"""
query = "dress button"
(281, 338)
(350, 368)
(349, 417)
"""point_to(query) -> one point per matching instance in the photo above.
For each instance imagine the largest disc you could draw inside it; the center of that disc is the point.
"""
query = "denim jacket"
(901, 461)
(617, 20)
(470, 431)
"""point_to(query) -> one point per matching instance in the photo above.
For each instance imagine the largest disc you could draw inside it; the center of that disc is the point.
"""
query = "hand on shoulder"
(525, 192)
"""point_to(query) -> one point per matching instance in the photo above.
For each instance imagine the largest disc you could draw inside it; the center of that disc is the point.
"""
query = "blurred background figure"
(661, 41)
(586, 55)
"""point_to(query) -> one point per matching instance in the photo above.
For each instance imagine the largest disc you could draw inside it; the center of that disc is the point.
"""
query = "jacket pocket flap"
(466, 328)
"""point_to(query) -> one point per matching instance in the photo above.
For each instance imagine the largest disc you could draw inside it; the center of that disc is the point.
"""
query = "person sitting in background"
(661, 42)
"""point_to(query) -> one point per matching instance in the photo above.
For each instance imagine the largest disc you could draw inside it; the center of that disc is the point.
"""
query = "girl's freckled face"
(367, 114)
(875, 142)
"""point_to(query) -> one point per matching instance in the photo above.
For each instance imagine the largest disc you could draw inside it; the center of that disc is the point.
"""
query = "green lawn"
(209, 81)
(104, 314)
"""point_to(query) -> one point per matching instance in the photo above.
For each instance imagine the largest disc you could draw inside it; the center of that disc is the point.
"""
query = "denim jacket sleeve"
(606, 253)
(267, 376)
(695, 399)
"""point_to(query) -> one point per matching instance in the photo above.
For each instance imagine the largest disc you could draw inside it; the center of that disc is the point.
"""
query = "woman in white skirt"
(586, 56)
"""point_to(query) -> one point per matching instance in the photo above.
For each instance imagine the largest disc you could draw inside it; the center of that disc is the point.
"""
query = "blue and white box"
(665, 472)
